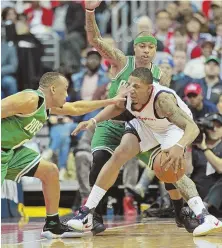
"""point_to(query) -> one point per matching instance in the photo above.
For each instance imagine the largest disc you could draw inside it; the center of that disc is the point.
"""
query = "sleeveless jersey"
(147, 114)
(122, 77)
(18, 129)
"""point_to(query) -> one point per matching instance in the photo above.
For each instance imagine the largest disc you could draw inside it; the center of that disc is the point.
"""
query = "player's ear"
(52, 88)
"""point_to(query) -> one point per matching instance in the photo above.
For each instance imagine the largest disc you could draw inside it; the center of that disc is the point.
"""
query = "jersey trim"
(120, 72)
(28, 168)
(33, 113)
(103, 148)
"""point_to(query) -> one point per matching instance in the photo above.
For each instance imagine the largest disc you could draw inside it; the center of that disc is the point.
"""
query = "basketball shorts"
(108, 135)
(18, 162)
(149, 139)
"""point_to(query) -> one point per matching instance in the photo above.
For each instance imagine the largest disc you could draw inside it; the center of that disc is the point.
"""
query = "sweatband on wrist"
(94, 121)
(150, 39)
(90, 10)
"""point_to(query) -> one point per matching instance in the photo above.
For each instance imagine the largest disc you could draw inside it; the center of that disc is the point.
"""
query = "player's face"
(141, 91)
(145, 52)
(59, 92)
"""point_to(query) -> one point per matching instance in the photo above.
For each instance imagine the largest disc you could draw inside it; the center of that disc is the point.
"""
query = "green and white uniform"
(16, 159)
(108, 134)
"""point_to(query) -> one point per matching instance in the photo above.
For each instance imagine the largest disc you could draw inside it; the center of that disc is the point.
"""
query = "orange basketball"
(167, 176)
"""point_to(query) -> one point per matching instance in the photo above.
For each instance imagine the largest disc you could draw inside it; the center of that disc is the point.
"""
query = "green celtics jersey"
(122, 77)
(18, 129)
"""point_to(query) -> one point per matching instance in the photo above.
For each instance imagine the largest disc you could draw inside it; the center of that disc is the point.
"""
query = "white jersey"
(148, 115)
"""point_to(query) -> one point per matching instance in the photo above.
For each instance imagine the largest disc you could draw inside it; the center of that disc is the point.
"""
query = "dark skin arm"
(166, 107)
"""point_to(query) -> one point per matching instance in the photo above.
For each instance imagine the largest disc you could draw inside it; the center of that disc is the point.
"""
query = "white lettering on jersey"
(34, 126)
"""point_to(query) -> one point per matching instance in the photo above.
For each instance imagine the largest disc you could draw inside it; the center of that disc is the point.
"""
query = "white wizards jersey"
(148, 115)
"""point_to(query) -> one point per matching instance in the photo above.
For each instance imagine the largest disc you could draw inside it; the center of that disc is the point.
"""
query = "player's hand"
(174, 158)
(92, 4)
(203, 144)
(84, 125)
(124, 90)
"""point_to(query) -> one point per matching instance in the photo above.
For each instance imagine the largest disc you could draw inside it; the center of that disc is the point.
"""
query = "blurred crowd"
(189, 49)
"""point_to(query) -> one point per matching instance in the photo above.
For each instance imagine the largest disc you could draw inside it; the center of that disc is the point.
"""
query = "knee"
(50, 173)
(99, 159)
(121, 153)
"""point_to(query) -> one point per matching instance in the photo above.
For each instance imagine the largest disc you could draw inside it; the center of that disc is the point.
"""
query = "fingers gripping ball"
(168, 176)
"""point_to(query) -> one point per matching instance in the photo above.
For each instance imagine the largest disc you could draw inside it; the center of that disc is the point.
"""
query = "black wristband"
(204, 150)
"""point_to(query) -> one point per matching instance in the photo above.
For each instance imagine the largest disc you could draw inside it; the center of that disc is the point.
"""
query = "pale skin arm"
(84, 107)
(166, 106)
(113, 55)
(20, 103)
(165, 79)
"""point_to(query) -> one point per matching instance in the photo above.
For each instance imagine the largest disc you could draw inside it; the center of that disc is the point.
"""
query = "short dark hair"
(5, 12)
(143, 74)
(48, 79)
(144, 33)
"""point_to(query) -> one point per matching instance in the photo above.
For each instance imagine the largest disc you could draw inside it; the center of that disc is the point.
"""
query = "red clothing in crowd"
(47, 15)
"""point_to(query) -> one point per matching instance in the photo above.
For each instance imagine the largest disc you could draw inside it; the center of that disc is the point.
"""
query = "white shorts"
(149, 139)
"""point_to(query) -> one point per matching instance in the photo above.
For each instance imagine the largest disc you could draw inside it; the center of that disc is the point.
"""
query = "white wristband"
(90, 10)
(177, 144)
(94, 121)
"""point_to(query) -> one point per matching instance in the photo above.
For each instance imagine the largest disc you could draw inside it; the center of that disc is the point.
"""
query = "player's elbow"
(195, 130)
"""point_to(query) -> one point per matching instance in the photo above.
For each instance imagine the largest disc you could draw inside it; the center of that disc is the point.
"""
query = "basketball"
(166, 176)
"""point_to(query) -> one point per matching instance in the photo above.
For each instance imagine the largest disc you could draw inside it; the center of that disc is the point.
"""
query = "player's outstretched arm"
(84, 107)
(107, 113)
(113, 55)
(166, 105)
(20, 103)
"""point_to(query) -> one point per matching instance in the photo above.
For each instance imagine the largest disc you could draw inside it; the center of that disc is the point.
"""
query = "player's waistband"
(117, 121)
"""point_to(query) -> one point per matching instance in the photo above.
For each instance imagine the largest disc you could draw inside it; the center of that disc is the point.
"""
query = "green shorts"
(18, 162)
(108, 135)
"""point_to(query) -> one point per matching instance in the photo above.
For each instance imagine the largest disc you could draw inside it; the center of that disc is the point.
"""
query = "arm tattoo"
(165, 79)
(167, 106)
(114, 55)
(186, 187)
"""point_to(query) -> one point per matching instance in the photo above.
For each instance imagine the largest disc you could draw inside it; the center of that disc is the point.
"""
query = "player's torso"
(148, 114)
(122, 77)
(18, 129)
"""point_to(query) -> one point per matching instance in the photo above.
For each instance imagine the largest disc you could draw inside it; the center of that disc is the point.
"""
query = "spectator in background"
(90, 79)
(75, 37)
(167, 66)
(9, 14)
(207, 163)
(198, 106)
(144, 23)
(38, 16)
(219, 104)
(172, 9)
(60, 13)
(9, 65)
(211, 83)
(195, 68)
(163, 23)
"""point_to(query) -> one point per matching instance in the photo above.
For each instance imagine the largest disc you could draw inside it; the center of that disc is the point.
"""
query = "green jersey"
(122, 77)
(18, 129)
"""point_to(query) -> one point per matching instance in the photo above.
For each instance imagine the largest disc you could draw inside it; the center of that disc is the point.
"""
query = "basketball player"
(108, 134)
(158, 116)
(23, 115)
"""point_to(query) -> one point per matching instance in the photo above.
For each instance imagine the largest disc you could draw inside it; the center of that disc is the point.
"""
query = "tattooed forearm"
(114, 55)
(165, 79)
(186, 187)
(166, 106)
